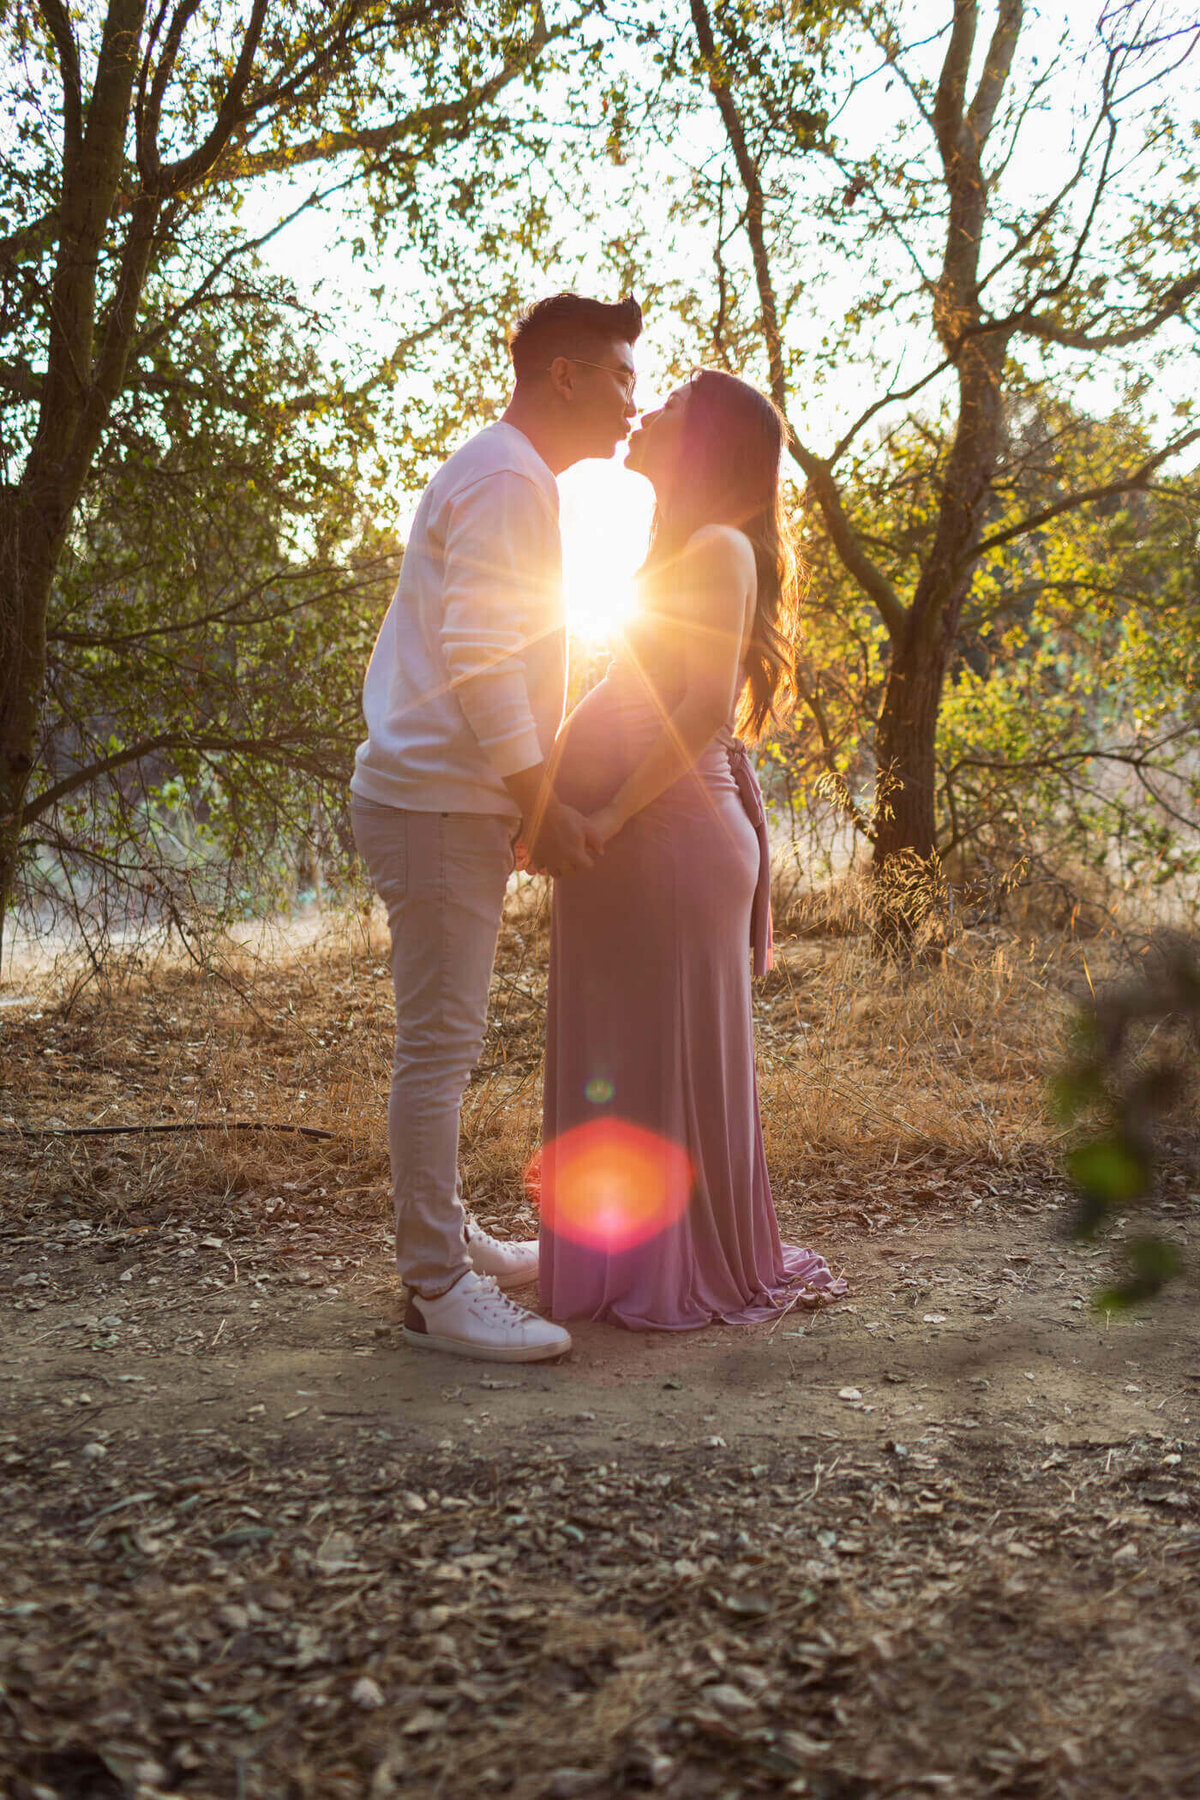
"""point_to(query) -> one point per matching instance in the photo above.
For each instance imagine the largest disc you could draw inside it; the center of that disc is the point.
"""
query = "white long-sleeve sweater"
(467, 680)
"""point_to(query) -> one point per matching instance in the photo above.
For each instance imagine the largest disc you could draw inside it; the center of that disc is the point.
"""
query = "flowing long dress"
(655, 1199)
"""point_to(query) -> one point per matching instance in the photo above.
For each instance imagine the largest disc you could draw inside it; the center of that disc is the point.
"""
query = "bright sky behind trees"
(635, 198)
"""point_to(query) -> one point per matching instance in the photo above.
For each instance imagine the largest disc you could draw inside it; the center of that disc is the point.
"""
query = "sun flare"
(605, 513)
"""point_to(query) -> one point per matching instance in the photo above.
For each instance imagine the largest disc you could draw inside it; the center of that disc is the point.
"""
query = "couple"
(643, 807)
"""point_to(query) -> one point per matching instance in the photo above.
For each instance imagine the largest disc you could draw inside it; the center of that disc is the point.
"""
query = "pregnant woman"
(656, 1205)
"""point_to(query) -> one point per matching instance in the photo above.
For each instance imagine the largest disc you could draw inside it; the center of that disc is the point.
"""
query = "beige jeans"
(442, 878)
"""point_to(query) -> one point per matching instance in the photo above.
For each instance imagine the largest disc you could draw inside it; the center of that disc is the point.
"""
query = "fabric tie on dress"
(762, 931)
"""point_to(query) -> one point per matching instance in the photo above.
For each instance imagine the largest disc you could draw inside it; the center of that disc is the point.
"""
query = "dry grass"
(869, 1066)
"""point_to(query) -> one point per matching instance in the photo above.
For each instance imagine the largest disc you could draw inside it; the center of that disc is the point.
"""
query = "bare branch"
(755, 205)
(892, 398)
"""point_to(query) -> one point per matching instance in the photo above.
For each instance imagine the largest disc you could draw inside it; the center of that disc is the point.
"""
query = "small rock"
(367, 1693)
(423, 1721)
(799, 1745)
(648, 1766)
(565, 1784)
(933, 1318)
(727, 1698)
(337, 1552)
(387, 1781)
(1128, 1553)
(849, 1393)
(93, 1452)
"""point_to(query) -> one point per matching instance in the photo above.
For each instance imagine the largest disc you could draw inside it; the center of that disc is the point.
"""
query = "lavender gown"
(650, 1042)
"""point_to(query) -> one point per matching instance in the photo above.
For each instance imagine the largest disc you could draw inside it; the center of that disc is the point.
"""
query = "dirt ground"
(942, 1537)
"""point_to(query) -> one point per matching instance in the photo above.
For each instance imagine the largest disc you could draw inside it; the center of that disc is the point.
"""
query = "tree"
(916, 232)
(1067, 729)
(207, 629)
(134, 132)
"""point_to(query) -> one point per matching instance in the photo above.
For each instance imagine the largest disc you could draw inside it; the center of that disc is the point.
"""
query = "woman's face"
(654, 448)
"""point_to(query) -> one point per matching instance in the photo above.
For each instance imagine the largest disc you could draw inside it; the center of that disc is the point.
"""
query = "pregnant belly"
(603, 739)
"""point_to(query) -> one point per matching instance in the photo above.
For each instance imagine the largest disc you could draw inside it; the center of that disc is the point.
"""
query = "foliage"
(189, 566)
(1067, 730)
(1116, 1087)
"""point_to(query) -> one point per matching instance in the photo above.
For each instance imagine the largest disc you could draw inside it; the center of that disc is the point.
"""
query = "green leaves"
(1116, 1095)
(1109, 1172)
(1152, 1263)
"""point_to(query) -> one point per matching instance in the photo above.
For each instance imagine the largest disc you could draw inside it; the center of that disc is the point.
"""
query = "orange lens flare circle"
(610, 1185)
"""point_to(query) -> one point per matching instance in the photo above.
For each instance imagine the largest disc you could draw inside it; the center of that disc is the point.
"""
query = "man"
(463, 696)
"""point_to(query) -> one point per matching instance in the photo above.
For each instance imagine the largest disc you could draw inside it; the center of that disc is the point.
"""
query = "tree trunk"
(904, 743)
(30, 540)
(906, 736)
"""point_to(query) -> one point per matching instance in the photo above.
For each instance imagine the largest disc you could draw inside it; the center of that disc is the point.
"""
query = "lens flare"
(610, 1185)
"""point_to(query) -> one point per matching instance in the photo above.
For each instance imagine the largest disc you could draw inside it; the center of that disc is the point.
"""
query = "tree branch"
(78, 778)
(982, 109)
(846, 541)
(952, 83)
(871, 579)
(149, 111)
(1177, 297)
(199, 742)
(176, 177)
(1131, 483)
(755, 204)
(441, 119)
(58, 24)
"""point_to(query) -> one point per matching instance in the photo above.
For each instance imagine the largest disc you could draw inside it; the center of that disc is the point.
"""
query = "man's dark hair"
(569, 325)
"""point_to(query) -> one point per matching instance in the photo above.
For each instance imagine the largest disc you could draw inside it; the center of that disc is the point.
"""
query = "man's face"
(602, 403)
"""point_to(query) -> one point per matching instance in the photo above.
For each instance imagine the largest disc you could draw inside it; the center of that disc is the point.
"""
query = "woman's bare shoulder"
(722, 548)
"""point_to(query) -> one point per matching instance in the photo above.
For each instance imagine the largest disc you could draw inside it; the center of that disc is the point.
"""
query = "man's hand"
(564, 843)
(558, 840)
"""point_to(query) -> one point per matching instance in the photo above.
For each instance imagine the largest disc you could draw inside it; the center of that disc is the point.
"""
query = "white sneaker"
(475, 1319)
(511, 1264)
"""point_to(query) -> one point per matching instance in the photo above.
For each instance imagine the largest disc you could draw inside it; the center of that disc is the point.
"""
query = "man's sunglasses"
(625, 381)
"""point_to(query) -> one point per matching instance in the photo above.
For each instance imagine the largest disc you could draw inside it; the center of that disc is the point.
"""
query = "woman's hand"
(606, 823)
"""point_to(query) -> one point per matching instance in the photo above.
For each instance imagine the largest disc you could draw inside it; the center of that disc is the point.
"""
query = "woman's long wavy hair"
(731, 452)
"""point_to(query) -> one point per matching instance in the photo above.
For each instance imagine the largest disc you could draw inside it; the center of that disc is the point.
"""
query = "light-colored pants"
(441, 877)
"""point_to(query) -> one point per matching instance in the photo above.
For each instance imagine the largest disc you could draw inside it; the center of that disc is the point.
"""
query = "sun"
(605, 514)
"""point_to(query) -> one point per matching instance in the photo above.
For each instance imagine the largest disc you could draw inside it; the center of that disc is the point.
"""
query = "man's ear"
(562, 375)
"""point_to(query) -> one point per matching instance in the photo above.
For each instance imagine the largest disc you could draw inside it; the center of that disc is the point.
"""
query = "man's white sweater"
(467, 680)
